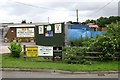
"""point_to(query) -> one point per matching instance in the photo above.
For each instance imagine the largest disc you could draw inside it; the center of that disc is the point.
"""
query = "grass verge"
(9, 62)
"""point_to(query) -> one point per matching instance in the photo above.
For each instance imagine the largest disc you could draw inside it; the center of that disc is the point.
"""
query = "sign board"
(48, 28)
(57, 53)
(41, 29)
(31, 51)
(58, 28)
(25, 32)
(45, 51)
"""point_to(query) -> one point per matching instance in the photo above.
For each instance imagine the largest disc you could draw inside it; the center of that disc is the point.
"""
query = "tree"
(90, 21)
(108, 43)
(23, 22)
(103, 21)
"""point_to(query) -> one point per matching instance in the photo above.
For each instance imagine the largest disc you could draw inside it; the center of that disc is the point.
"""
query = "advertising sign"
(58, 28)
(25, 32)
(41, 29)
(57, 53)
(49, 33)
(45, 51)
(31, 52)
(48, 28)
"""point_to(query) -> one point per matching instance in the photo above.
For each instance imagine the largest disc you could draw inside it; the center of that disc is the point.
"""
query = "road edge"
(59, 71)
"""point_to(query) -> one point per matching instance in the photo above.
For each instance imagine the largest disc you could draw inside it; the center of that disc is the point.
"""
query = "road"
(24, 74)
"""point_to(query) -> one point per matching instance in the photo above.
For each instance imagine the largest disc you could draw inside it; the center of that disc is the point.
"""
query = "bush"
(81, 42)
(74, 55)
(15, 48)
(108, 43)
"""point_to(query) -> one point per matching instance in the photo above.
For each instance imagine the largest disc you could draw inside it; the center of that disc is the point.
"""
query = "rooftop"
(25, 25)
(93, 26)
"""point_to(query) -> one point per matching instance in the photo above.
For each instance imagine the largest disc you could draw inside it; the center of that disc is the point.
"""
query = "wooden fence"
(92, 55)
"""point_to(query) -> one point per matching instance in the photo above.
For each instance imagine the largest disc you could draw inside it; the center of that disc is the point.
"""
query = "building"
(94, 27)
(50, 35)
(24, 32)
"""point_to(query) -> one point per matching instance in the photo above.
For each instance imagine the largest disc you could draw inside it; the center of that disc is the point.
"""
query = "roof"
(26, 25)
(21, 25)
(78, 26)
(93, 26)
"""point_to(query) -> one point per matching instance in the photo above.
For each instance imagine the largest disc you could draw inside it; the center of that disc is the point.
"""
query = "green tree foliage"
(103, 21)
(90, 21)
(108, 43)
(23, 22)
(75, 55)
(15, 48)
(82, 42)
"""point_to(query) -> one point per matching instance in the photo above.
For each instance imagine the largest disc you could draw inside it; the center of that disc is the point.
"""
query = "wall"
(11, 34)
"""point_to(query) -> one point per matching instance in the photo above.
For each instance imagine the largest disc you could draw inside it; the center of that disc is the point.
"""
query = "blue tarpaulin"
(77, 33)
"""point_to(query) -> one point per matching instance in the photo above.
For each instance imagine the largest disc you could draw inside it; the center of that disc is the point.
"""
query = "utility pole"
(77, 14)
(48, 19)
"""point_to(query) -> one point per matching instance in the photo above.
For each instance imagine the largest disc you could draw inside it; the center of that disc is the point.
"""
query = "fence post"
(24, 51)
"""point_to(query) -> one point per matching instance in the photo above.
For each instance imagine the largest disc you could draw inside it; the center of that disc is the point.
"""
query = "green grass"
(9, 62)
(0, 60)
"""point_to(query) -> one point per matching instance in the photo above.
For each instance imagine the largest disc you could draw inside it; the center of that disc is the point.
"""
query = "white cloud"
(56, 10)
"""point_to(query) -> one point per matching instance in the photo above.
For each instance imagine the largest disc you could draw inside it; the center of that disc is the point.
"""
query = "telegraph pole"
(77, 14)
(48, 19)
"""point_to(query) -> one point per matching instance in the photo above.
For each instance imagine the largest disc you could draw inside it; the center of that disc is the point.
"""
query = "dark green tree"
(23, 22)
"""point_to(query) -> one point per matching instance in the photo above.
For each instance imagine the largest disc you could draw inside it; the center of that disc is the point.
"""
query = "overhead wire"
(101, 8)
(36, 6)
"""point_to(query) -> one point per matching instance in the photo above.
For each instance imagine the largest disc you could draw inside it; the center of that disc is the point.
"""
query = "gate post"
(24, 51)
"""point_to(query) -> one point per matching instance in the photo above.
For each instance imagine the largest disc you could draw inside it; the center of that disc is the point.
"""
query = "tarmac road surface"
(4, 47)
(28, 74)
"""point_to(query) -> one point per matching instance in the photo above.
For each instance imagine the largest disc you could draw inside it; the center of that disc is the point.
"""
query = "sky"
(54, 11)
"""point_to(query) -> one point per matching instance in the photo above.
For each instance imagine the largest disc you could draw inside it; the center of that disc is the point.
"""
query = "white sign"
(25, 32)
(48, 28)
(41, 29)
(58, 28)
(45, 51)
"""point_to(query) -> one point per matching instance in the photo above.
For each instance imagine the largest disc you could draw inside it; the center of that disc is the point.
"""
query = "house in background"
(93, 27)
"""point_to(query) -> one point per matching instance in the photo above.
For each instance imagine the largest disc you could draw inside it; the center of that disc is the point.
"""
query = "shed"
(23, 32)
(50, 35)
